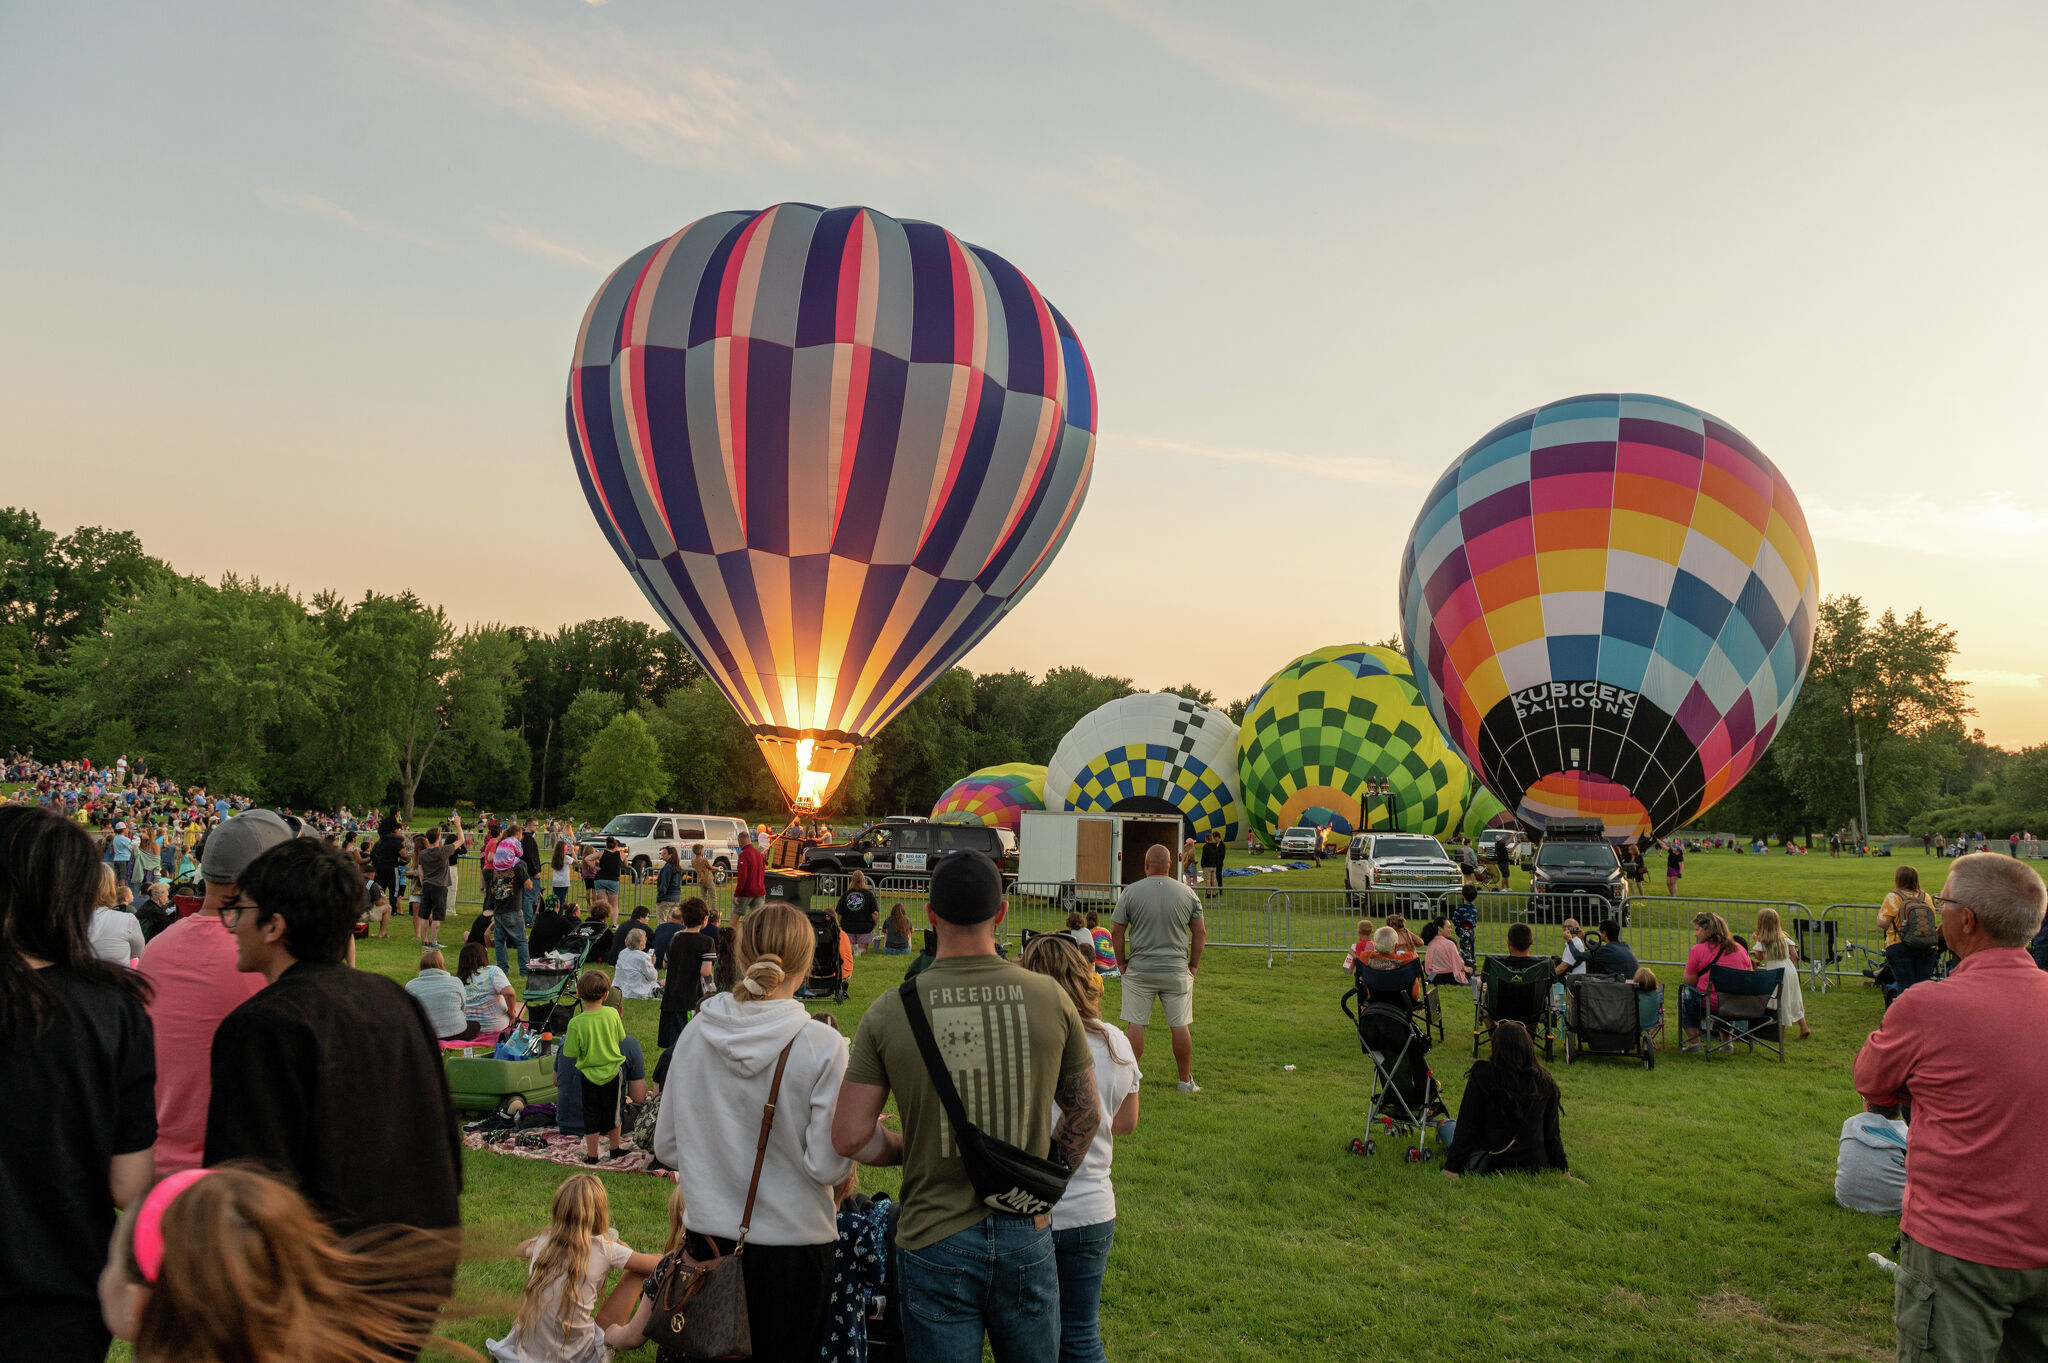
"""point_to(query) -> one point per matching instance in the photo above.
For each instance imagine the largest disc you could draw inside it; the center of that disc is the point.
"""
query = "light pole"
(1862, 806)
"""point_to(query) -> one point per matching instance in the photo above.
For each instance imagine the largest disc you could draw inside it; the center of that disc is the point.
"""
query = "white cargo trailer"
(1098, 854)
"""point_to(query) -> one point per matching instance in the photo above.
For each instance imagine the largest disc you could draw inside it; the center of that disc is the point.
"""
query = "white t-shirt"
(582, 1341)
(1089, 1199)
(1574, 955)
(483, 1001)
(115, 935)
(636, 975)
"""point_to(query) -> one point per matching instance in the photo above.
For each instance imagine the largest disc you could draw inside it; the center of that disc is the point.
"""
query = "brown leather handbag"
(701, 1310)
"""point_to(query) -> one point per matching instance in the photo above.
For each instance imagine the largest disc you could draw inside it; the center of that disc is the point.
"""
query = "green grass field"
(1245, 1229)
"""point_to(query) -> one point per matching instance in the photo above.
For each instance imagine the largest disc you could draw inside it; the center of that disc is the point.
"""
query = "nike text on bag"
(1010, 1180)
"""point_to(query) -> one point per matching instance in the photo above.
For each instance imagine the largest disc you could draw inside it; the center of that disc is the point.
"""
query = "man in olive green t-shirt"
(1015, 1049)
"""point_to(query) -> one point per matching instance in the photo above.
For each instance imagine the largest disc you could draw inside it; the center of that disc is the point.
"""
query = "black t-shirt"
(80, 1091)
(610, 866)
(549, 927)
(687, 952)
(1212, 854)
(1675, 858)
(857, 910)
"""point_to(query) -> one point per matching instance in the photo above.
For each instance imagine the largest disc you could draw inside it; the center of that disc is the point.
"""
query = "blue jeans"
(529, 901)
(997, 1277)
(1081, 1253)
(510, 927)
(1910, 965)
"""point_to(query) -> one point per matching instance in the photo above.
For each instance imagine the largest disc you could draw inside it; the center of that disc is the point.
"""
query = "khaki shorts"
(1176, 992)
(1949, 1310)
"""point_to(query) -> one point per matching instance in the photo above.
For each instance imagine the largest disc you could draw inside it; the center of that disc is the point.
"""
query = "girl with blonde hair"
(228, 1263)
(1084, 1219)
(744, 1045)
(1771, 949)
(557, 1320)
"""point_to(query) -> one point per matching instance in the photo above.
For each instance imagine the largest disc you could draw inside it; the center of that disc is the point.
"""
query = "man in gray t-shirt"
(1158, 934)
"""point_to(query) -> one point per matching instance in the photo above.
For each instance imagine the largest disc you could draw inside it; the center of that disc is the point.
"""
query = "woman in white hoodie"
(710, 1126)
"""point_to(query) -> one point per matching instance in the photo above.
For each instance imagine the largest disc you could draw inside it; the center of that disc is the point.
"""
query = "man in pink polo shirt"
(1973, 1261)
(190, 967)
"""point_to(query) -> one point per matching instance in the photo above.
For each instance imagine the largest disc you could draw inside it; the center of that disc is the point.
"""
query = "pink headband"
(149, 1221)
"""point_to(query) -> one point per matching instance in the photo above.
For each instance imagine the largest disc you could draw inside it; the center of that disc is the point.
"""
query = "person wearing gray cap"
(1017, 1054)
(190, 967)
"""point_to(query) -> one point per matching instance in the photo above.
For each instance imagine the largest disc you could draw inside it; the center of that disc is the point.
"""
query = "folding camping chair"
(1743, 1007)
(1515, 990)
(1604, 1017)
(1816, 938)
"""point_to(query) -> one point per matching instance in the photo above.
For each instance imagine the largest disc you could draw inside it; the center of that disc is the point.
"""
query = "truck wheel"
(720, 872)
(641, 866)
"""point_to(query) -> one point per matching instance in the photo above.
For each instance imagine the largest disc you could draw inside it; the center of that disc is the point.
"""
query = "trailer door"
(1092, 860)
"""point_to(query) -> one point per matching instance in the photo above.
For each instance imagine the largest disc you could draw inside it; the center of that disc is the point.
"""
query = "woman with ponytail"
(723, 1068)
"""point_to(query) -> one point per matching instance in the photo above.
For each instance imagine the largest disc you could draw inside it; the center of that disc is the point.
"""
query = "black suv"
(907, 850)
(1574, 863)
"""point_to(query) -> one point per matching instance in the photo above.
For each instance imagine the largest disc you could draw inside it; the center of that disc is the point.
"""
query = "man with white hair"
(1973, 1259)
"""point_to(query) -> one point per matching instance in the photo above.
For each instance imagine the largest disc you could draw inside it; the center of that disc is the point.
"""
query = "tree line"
(246, 686)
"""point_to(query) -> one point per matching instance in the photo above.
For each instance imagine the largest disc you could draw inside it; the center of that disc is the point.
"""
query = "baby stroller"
(550, 993)
(830, 976)
(1406, 1099)
(1604, 1016)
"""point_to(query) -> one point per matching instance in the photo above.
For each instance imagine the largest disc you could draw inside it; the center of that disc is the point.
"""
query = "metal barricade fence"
(1853, 944)
(1282, 922)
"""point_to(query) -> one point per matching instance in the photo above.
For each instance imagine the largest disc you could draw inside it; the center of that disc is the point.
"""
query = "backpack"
(1918, 927)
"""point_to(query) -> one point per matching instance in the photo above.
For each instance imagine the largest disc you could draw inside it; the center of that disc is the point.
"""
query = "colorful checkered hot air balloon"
(1330, 722)
(833, 449)
(995, 796)
(1155, 753)
(1609, 603)
(1483, 812)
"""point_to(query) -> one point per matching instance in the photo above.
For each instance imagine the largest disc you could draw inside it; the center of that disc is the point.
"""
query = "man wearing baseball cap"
(190, 966)
(1015, 1049)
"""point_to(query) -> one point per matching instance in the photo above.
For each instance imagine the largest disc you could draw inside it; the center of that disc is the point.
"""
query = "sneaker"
(1190, 1086)
(590, 1159)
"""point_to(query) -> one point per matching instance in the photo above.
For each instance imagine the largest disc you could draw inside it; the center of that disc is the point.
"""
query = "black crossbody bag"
(1005, 1178)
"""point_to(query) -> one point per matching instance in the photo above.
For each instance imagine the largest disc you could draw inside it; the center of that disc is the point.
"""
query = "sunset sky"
(291, 289)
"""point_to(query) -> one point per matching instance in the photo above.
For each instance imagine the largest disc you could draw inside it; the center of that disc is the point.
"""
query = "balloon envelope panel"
(1483, 812)
(1155, 753)
(1329, 722)
(995, 796)
(833, 448)
(1614, 586)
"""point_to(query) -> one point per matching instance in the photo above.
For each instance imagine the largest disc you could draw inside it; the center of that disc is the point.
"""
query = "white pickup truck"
(1409, 869)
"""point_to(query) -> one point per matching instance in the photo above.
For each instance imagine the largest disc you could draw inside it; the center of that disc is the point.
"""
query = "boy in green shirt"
(592, 1041)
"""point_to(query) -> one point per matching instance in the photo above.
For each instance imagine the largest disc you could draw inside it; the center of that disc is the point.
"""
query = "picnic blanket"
(546, 1143)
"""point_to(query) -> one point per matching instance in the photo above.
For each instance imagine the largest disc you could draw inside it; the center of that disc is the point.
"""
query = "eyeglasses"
(1952, 903)
(232, 911)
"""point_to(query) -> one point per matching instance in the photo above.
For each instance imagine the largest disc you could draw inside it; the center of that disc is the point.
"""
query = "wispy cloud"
(1237, 60)
(700, 106)
(1995, 526)
(313, 206)
(535, 244)
(1329, 466)
(1993, 678)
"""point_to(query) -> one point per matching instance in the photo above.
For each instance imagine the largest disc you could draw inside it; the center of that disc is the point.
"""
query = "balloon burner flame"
(810, 785)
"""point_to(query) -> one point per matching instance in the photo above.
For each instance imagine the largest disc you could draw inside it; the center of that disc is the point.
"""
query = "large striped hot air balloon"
(833, 449)
(1609, 603)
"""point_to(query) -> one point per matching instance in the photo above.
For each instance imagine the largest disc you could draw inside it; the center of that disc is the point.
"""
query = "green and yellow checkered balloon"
(1330, 722)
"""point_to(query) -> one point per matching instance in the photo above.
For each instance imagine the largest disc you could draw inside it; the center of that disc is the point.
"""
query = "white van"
(644, 835)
